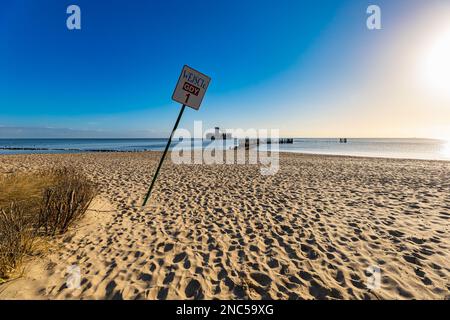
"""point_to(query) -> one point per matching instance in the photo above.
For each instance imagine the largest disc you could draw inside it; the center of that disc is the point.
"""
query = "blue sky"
(298, 66)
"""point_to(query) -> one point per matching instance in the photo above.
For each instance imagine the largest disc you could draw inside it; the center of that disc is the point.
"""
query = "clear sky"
(308, 68)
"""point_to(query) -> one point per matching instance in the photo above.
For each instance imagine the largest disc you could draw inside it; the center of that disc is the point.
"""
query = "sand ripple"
(227, 232)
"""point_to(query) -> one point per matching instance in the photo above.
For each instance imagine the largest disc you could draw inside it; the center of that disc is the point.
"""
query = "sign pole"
(164, 155)
(190, 90)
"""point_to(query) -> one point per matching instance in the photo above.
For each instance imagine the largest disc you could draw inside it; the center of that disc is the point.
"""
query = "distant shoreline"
(305, 153)
(419, 149)
(281, 137)
(63, 149)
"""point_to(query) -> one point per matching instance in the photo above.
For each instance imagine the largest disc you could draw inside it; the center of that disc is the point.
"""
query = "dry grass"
(38, 204)
(16, 238)
(65, 202)
(24, 188)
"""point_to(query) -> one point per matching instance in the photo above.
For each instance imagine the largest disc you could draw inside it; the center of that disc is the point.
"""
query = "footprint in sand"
(194, 290)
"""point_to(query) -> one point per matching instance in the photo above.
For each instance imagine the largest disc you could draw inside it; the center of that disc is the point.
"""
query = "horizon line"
(166, 137)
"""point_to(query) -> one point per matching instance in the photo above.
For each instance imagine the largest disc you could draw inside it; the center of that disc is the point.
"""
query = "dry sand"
(227, 232)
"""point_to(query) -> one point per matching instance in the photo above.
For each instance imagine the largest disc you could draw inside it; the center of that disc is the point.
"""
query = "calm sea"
(390, 148)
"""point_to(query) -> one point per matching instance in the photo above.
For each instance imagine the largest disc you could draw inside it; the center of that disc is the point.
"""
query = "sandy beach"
(227, 232)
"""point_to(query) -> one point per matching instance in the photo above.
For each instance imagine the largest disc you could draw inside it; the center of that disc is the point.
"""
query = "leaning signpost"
(190, 90)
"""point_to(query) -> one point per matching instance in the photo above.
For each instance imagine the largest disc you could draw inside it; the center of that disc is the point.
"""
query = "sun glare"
(445, 151)
(436, 66)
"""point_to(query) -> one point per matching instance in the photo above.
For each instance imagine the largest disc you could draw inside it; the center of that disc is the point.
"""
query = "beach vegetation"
(35, 206)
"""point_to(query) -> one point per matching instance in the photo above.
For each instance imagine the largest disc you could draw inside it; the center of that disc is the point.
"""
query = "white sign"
(191, 88)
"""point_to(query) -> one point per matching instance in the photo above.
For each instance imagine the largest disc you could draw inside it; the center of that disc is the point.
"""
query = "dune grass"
(24, 188)
(37, 205)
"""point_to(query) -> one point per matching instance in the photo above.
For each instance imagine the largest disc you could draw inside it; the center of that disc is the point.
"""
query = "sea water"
(427, 149)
